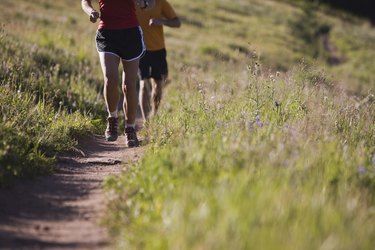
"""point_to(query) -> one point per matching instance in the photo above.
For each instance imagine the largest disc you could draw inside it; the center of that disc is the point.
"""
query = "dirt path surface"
(63, 211)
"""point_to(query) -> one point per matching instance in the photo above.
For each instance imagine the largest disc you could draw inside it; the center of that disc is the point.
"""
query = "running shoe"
(131, 139)
(111, 133)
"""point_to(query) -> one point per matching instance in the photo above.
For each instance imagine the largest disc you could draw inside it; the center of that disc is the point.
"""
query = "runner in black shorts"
(112, 42)
(153, 65)
(119, 39)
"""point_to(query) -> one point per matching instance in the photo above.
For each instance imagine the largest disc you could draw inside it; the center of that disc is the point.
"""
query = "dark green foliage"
(360, 7)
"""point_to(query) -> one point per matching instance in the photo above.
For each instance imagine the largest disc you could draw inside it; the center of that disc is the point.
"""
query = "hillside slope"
(281, 34)
(260, 142)
(263, 139)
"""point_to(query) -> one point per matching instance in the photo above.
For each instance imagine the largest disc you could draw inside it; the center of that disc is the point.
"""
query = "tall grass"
(48, 97)
(240, 157)
(32, 133)
(244, 157)
(270, 162)
(39, 110)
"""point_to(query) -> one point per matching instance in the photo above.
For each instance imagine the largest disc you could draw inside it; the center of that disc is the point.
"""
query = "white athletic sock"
(113, 114)
(130, 125)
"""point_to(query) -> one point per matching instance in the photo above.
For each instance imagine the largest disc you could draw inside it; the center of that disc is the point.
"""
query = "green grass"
(280, 33)
(260, 143)
(49, 92)
(32, 132)
(273, 161)
(244, 157)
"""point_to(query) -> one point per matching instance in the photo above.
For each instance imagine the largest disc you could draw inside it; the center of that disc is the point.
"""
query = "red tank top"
(117, 14)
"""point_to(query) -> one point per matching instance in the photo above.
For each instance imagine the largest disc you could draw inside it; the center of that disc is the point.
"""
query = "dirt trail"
(63, 211)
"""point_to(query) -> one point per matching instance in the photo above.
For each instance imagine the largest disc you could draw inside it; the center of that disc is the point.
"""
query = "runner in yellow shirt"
(153, 65)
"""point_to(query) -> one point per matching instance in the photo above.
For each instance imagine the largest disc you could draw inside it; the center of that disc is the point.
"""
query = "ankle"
(130, 125)
(113, 114)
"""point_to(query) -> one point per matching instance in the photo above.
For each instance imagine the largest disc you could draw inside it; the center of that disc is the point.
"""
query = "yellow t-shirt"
(154, 35)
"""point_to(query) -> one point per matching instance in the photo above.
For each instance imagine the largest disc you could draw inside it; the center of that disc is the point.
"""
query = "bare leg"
(144, 98)
(156, 94)
(167, 81)
(109, 64)
(129, 89)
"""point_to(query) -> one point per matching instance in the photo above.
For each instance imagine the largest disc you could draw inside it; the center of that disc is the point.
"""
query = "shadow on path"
(63, 211)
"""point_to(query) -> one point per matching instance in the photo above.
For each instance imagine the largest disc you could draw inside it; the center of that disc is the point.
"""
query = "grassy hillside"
(261, 141)
(281, 34)
(269, 162)
(49, 88)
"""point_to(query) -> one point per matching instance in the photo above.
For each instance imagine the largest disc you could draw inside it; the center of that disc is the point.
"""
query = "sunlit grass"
(273, 160)
(49, 92)
(32, 132)
(249, 151)
(268, 28)
(244, 157)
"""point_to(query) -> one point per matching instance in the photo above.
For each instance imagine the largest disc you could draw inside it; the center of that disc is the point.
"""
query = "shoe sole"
(132, 144)
(111, 138)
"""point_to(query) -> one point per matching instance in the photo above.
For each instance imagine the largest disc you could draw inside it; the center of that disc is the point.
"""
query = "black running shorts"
(154, 64)
(125, 43)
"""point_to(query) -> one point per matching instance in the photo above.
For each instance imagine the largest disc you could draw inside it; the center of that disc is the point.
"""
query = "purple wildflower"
(361, 170)
(257, 118)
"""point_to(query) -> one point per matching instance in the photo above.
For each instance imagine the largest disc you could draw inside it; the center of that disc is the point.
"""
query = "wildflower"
(260, 124)
(257, 118)
(361, 170)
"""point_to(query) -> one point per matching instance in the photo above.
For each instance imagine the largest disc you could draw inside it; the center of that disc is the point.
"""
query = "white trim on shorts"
(132, 59)
(143, 47)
